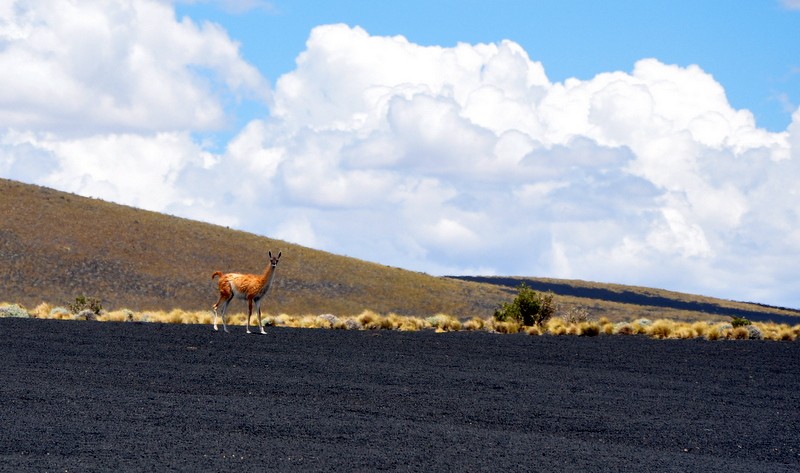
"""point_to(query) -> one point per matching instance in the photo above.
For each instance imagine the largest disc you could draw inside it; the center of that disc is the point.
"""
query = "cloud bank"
(449, 160)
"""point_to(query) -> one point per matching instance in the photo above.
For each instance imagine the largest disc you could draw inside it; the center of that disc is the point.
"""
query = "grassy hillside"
(55, 246)
(620, 302)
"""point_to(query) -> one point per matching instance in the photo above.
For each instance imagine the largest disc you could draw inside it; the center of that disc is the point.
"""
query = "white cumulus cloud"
(115, 66)
(463, 159)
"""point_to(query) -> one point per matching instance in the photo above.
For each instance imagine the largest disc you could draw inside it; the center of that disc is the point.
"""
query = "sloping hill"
(641, 301)
(55, 246)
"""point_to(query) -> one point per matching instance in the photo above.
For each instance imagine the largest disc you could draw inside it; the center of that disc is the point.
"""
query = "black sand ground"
(87, 396)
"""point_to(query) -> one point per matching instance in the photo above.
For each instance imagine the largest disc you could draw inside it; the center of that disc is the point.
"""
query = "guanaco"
(252, 287)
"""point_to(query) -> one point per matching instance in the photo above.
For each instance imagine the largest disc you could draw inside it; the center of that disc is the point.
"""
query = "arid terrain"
(90, 396)
(56, 246)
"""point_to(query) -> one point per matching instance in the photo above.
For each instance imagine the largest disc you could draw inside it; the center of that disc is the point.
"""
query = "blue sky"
(649, 143)
(750, 47)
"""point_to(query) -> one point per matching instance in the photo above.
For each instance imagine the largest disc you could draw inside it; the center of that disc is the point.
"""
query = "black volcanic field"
(89, 396)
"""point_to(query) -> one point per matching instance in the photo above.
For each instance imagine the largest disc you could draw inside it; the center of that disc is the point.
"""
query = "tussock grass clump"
(369, 320)
(475, 323)
(13, 310)
(411, 324)
(556, 326)
(684, 332)
(607, 328)
(777, 332)
(660, 329)
(624, 328)
(738, 333)
(444, 323)
(588, 329)
(713, 333)
(59, 313)
(331, 319)
(507, 327)
(533, 330)
(701, 328)
(785, 335)
(41, 311)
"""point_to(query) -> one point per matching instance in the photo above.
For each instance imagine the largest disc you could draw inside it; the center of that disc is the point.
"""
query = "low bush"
(575, 315)
(740, 322)
(86, 303)
(528, 308)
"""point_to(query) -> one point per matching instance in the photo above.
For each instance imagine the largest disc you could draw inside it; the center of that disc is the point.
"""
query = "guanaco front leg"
(249, 312)
(260, 320)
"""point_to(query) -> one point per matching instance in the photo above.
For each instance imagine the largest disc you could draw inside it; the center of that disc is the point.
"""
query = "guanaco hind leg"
(222, 300)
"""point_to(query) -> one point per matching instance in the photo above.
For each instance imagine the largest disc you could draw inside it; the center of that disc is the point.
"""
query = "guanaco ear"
(279, 255)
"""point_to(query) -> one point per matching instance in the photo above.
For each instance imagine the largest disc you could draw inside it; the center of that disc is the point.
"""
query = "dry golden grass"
(556, 326)
(475, 323)
(371, 320)
(444, 323)
(588, 329)
(533, 330)
(507, 327)
(661, 329)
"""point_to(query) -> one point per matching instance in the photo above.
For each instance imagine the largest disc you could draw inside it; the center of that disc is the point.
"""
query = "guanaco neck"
(269, 274)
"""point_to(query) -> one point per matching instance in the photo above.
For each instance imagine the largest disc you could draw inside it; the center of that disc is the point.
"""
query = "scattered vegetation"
(528, 308)
(145, 261)
(83, 303)
(369, 320)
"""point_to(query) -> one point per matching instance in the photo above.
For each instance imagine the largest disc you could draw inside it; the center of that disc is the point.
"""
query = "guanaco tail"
(252, 287)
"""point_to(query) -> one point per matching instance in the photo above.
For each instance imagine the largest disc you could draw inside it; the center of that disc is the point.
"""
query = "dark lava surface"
(88, 396)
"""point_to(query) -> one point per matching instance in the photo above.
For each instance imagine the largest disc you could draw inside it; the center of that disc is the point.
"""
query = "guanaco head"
(273, 260)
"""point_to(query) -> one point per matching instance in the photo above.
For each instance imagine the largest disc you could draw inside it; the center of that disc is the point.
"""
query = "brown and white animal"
(252, 287)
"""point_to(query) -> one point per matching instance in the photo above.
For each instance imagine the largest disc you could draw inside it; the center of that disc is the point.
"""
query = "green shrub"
(86, 303)
(528, 308)
(13, 310)
(740, 322)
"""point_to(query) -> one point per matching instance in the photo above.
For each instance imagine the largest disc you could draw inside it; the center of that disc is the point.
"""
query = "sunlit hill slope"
(55, 246)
